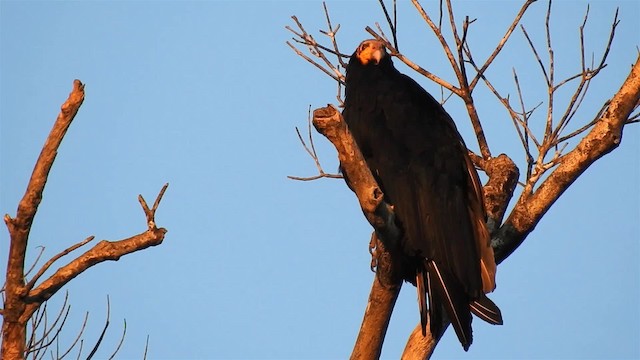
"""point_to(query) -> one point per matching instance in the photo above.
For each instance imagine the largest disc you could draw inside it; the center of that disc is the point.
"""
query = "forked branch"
(102, 251)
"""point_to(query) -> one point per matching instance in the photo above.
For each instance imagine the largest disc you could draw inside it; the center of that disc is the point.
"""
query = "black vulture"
(421, 163)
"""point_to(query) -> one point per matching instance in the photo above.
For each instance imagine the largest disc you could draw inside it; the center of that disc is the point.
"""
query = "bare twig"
(35, 262)
(78, 338)
(523, 135)
(326, 71)
(146, 348)
(34, 345)
(443, 42)
(124, 333)
(392, 23)
(394, 52)
(480, 72)
(332, 35)
(104, 331)
(311, 150)
(586, 75)
(458, 67)
(48, 264)
(535, 54)
(317, 50)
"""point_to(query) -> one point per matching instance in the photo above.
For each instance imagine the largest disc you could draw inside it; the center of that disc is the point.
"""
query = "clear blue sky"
(205, 96)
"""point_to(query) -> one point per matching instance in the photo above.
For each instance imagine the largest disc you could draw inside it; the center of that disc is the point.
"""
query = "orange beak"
(371, 51)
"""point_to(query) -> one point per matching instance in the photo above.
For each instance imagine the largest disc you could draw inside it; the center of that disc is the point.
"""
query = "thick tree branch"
(387, 283)
(328, 121)
(503, 177)
(420, 347)
(605, 136)
(382, 298)
(20, 226)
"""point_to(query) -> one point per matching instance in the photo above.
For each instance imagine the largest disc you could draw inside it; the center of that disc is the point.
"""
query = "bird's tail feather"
(455, 302)
(422, 301)
(435, 307)
(486, 310)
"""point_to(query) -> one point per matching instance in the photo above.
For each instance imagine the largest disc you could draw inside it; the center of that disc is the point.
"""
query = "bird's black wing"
(419, 159)
(414, 150)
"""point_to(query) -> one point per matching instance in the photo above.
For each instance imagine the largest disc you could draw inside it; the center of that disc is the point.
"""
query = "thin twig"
(104, 331)
(500, 46)
(48, 264)
(524, 136)
(394, 52)
(124, 333)
(535, 53)
(146, 348)
(63, 314)
(78, 337)
(317, 50)
(443, 42)
(550, 105)
(35, 262)
(314, 63)
(392, 24)
(332, 35)
(588, 125)
(311, 150)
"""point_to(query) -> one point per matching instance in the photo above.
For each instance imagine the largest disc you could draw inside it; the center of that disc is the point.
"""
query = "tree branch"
(387, 283)
(420, 347)
(605, 136)
(20, 226)
(382, 299)
(503, 177)
(103, 251)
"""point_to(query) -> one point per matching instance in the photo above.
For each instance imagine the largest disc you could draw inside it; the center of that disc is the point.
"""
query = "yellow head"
(371, 51)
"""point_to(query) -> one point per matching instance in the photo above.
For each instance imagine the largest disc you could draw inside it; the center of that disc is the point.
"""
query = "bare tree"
(25, 299)
(550, 166)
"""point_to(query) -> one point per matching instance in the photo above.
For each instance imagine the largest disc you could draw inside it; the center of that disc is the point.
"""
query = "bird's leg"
(373, 246)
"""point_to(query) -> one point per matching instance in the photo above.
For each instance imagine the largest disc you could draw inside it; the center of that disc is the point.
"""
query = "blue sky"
(205, 95)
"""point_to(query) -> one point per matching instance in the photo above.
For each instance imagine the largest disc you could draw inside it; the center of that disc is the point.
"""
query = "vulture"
(421, 163)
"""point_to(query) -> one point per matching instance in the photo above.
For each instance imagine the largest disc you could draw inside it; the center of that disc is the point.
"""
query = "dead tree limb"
(13, 329)
(386, 286)
(23, 299)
